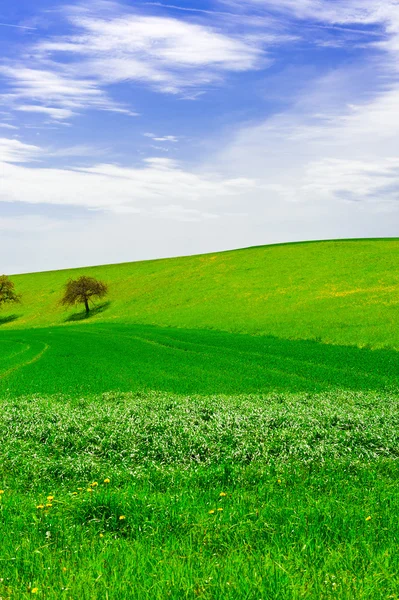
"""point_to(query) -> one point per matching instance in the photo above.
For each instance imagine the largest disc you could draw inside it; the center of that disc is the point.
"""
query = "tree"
(82, 291)
(7, 291)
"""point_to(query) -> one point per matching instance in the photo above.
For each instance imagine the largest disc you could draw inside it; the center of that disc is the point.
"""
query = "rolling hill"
(340, 292)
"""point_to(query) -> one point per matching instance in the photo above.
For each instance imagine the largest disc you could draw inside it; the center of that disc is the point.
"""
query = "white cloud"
(165, 138)
(344, 16)
(168, 53)
(161, 187)
(326, 161)
(8, 126)
(338, 11)
(56, 92)
(14, 151)
(54, 113)
(66, 74)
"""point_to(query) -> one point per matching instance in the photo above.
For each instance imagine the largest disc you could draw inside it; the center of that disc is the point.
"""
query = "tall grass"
(157, 496)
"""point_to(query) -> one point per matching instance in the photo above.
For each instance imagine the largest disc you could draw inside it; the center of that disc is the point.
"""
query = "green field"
(344, 292)
(242, 409)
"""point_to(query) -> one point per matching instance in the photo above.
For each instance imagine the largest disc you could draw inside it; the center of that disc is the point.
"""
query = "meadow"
(342, 292)
(196, 437)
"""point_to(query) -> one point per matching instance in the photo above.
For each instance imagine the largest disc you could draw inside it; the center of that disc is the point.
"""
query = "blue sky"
(133, 130)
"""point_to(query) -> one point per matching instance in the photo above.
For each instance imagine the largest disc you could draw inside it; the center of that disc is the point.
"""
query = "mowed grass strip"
(344, 292)
(96, 358)
(160, 496)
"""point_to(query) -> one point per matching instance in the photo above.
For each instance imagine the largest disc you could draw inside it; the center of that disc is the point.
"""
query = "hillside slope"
(343, 292)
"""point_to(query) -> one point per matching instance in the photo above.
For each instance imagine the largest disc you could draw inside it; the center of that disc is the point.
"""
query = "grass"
(307, 486)
(344, 292)
(82, 360)
(196, 437)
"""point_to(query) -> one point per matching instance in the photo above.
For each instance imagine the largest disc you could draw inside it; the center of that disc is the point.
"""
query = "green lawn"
(197, 437)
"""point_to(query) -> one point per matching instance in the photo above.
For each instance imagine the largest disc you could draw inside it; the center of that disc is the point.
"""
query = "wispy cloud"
(54, 113)
(8, 126)
(160, 185)
(55, 91)
(17, 26)
(350, 18)
(163, 138)
(64, 75)
(339, 11)
(168, 53)
(14, 151)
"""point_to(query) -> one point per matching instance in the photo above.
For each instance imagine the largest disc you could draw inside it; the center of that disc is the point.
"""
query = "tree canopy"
(7, 291)
(82, 291)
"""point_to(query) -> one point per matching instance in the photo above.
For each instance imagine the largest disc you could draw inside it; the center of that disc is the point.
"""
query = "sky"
(147, 129)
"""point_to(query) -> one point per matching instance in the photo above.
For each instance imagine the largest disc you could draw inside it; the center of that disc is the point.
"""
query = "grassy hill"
(342, 292)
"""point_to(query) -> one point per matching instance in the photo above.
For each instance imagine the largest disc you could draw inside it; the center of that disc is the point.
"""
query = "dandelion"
(34, 590)
(64, 569)
(122, 517)
(74, 493)
(80, 489)
(220, 509)
(211, 511)
(94, 484)
(89, 489)
(40, 506)
(101, 535)
(278, 480)
(368, 518)
(1, 492)
(222, 494)
(49, 505)
(107, 480)
(50, 498)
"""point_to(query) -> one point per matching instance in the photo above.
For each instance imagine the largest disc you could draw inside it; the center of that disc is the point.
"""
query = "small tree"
(82, 291)
(7, 291)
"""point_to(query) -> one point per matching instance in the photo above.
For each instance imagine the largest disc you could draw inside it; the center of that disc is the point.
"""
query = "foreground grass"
(344, 292)
(161, 496)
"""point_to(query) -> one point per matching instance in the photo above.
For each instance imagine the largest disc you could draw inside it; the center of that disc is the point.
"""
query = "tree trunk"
(87, 306)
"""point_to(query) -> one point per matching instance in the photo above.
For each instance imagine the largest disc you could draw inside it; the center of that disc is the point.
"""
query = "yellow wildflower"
(40, 506)
(211, 512)
(101, 535)
(34, 590)
(368, 518)
(278, 480)
(94, 484)
(1, 492)
(50, 498)
(107, 480)
(80, 489)
(122, 517)
(64, 569)
(89, 489)
(74, 493)
(219, 509)
(49, 505)
(222, 494)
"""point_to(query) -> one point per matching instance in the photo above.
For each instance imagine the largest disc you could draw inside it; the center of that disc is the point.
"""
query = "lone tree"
(7, 291)
(82, 291)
